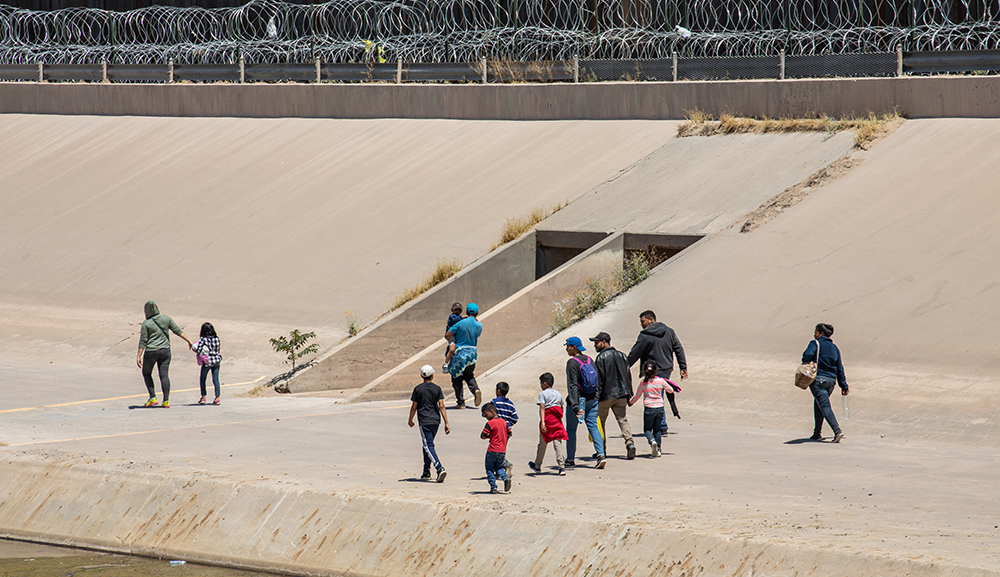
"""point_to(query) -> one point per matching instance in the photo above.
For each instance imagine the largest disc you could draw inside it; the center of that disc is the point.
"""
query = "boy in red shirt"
(497, 432)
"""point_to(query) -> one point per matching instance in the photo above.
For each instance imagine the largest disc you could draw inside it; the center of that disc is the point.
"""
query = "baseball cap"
(426, 371)
(576, 342)
(472, 309)
(601, 336)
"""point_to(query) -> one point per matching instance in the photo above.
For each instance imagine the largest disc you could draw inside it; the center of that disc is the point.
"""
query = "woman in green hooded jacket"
(154, 349)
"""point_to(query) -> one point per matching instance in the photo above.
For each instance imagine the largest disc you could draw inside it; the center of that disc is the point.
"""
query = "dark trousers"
(821, 389)
(652, 424)
(467, 376)
(161, 358)
(427, 433)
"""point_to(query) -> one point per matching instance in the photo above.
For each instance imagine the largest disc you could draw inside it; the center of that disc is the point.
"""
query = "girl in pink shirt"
(651, 390)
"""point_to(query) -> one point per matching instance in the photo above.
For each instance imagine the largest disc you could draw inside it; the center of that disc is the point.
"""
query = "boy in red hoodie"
(497, 431)
(550, 426)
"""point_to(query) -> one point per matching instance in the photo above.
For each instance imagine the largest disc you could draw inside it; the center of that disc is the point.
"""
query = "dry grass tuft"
(515, 227)
(444, 271)
(866, 129)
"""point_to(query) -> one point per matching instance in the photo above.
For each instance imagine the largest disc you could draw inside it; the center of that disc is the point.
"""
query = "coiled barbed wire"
(269, 31)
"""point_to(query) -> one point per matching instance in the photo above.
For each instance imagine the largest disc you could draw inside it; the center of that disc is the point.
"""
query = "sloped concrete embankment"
(253, 525)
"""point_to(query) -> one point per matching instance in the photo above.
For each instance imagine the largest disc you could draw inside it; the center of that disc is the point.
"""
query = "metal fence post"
(485, 79)
(674, 57)
(170, 71)
(41, 72)
(104, 70)
(781, 76)
(576, 68)
(899, 60)
(319, 74)
(243, 70)
(399, 71)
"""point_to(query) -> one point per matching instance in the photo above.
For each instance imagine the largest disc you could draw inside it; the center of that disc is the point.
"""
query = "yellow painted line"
(208, 426)
(120, 398)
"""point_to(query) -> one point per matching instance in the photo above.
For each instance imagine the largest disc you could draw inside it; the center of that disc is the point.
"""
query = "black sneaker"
(630, 449)
(838, 437)
(441, 475)
(494, 491)
(816, 437)
(601, 462)
(570, 463)
(460, 406)
(425, 477)
(531, 465)
(507, 484)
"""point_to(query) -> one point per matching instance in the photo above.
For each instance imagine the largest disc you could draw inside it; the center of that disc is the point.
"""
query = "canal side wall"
(265, 526)
(915, 97)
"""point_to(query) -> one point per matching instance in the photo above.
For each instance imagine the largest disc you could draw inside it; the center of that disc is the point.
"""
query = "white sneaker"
(655, 448)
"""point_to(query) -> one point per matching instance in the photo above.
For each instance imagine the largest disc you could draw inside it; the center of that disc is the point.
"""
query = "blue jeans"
(494, 468)
(427, 433)
(215, 378)
(821, 389)
(590, 418)
(652, 424)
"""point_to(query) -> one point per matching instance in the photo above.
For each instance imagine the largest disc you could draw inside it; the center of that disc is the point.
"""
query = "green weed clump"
(515, 227)
(444, 271)
(353, 319)
(596, 292)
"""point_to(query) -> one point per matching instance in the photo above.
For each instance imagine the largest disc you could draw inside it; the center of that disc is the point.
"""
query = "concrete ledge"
(917, 97)
(253, 525)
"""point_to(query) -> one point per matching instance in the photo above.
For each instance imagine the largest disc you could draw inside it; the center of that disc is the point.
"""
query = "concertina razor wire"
(267, 31)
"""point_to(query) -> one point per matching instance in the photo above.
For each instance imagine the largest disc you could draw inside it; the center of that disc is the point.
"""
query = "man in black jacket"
(658, 342)
(615, 380)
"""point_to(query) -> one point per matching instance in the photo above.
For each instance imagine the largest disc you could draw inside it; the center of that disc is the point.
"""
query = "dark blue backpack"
(588, 377)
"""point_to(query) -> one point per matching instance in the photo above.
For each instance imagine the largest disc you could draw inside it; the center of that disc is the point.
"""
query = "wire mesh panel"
(74, 72)
(840, 65)
(358, 72)
(207, 72)
(138, 73)
(280, 72)
(728, 68)
(21, 72)
(604, 70)
(951, 61)
(536, 71)
(443, 72)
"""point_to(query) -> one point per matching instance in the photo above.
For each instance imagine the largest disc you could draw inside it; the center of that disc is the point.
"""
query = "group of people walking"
(154, 351)
(595, 389)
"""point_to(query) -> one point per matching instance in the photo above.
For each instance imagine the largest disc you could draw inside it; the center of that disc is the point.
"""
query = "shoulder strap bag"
(806, 374)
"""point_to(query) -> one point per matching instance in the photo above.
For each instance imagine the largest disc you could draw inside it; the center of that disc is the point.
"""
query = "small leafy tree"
(294, 347)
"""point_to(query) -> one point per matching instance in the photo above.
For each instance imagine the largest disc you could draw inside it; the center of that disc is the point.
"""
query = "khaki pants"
(560, 446)
(620, 408)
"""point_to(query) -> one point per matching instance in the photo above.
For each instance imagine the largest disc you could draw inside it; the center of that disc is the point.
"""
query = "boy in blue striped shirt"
(507, 412)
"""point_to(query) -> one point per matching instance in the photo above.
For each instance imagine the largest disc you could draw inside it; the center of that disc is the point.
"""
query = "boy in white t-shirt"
(550, 425)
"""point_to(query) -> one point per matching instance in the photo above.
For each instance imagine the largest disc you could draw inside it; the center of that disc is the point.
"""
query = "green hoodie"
(153, 335)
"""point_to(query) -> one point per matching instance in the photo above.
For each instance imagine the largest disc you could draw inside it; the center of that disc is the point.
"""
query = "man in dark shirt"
(580, 408)
(658, 342)
(428, 406)
(616, 388)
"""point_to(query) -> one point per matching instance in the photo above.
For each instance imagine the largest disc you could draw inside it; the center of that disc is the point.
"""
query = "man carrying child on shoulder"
(496, 454)
(550, 426)
(427, 403)
(507, 412)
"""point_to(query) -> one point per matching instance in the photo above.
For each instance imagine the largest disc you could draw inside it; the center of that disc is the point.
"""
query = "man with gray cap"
(427, 404)
(462, 362)
(615, 380)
